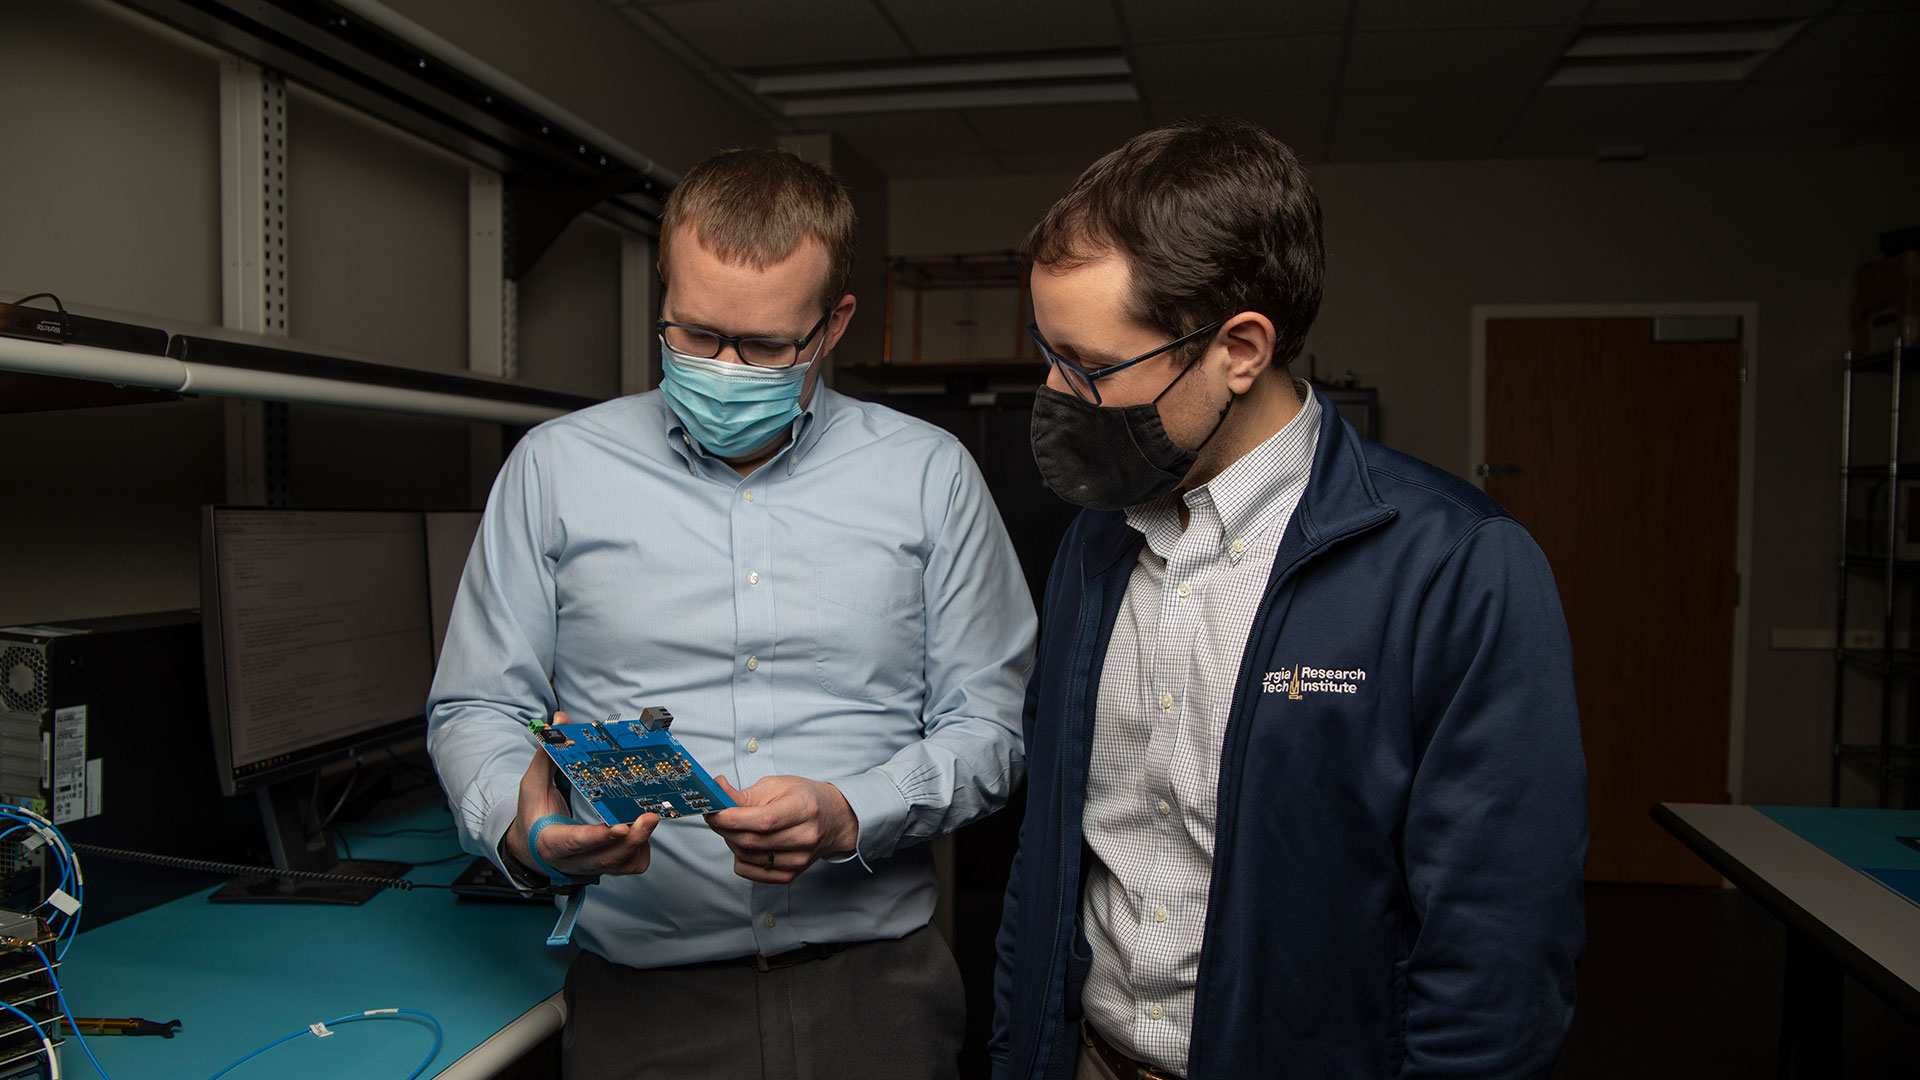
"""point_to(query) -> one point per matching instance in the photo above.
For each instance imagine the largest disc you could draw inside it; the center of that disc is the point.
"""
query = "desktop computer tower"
(104, 731)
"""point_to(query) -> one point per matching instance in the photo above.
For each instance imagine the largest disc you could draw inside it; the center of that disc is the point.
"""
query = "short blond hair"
(756, 206)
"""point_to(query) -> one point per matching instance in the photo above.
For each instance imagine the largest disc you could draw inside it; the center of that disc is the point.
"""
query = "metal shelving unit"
(1871, 549)
(917, 274)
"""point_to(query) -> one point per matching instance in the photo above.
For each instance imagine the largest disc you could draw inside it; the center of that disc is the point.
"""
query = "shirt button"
(1160, 915)
(753, 663)
(753, 578)
(1164, 807)
(749, 497)
(770, 926)
(1166, 701)
(1239, 546)
(1156, 1012)
(1185, 589)
(753, 746)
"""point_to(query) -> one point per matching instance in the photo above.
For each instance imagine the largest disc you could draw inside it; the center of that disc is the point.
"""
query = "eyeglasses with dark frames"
(1081, 381)
(766, 352)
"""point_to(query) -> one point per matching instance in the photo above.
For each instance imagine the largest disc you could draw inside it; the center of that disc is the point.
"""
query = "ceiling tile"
(1444, 60)
(1650, 116)
(944, 168)
(937, 27)
(1414, 127)
(1903, 128)
(1769, 139)
(1845, 105)
(1883, 44)
(1185, 20)
(1856, 7)
(1543, 146)
(775, 33)
(1300, 122)
(1425, 14)
(1282, 66)
(1411, 148)
(1031, 164)
(892, 139)
(1616, 12)
(1058, 129)
(1445, 116)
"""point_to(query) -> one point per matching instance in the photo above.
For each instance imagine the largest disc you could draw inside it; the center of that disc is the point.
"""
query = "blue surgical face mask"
(731, 409)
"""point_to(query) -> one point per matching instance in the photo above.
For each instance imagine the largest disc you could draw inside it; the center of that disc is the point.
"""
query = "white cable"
(53, 1059)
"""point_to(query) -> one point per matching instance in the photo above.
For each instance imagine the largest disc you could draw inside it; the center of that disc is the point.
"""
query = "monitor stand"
(280, 806)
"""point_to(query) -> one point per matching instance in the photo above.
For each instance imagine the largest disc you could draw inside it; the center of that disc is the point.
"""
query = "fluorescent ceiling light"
(1640, 55)
(972, 97)
(1643, 74)
(898, 76)
(892, 86)
(1603, 41)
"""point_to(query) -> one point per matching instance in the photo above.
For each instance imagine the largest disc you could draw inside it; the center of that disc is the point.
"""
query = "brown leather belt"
(1123, 1066)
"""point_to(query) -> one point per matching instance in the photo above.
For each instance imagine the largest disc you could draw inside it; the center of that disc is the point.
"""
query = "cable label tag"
(65, 903)
(320, 1030)
(32, 843)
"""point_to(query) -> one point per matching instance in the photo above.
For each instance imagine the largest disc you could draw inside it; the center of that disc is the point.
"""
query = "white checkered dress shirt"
(1158, 728)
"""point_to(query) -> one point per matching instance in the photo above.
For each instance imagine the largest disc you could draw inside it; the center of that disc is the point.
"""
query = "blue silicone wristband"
(533, 844)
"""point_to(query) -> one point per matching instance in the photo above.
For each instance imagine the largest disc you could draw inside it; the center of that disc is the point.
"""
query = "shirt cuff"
(881, 811)
(524, 877)
(499, 818)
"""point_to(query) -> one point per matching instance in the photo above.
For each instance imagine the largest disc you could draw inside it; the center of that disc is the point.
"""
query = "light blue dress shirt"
(851, 612)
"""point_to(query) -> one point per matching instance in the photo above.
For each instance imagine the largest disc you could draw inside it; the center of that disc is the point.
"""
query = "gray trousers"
(877, 1010)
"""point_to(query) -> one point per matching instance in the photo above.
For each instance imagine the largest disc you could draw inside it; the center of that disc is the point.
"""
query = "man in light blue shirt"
(822, 593)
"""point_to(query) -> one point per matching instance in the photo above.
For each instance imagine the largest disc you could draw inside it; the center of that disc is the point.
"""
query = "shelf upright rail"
(1840, 585)
(1885, 763)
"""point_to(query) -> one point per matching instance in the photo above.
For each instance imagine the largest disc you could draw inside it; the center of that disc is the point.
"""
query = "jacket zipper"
(1083, 648)
(1195, 1049)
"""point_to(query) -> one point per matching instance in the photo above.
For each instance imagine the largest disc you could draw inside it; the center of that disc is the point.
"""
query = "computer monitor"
(318, 630)
(450, 536)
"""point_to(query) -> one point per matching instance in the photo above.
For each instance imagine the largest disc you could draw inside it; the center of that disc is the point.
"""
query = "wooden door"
(1627, 457)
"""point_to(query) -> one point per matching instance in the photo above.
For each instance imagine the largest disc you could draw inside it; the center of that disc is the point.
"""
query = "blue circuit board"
(627, 768)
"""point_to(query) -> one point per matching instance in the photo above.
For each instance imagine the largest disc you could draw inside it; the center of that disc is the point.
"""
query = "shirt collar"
(1246, 493)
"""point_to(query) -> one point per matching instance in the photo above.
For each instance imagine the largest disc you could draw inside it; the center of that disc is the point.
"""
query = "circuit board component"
(627, 768)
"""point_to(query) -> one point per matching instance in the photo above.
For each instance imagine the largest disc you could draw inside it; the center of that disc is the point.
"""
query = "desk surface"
(238, 976)
(1872, 930)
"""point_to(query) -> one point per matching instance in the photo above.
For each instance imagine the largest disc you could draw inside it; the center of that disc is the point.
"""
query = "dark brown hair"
(756, 205)
(1214, 217)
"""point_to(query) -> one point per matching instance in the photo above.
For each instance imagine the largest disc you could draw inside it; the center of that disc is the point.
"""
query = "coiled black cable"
(228, 869)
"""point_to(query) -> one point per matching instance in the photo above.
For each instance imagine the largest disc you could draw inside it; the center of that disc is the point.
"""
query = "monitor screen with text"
(325, 630)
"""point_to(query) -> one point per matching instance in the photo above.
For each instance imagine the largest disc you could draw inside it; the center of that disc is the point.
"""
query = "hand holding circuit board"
(776, 828)
(579, 851)
(630, 768)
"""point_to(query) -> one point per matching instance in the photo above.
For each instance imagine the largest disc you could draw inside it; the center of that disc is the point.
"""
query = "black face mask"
(1108, 459)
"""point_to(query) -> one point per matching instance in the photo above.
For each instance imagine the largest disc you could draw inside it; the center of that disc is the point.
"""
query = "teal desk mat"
(238, 976)
(1867, 840)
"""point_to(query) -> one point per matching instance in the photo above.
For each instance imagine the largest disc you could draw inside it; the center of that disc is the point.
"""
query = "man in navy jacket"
(1306, 793)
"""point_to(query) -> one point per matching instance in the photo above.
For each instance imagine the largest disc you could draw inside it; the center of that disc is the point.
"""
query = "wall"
(113, 200)
(868, 189)
(1413, 247)
(376, 238)
(570, 313)
(115, 197)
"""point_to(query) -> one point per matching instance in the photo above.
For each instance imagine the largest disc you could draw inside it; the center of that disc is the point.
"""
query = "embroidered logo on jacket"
(1303, 680)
